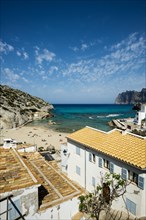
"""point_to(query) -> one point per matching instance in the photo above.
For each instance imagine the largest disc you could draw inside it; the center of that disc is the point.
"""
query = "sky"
(73, 51)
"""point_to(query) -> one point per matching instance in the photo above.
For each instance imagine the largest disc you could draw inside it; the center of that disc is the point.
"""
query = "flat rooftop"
(121, 145)
(13, 174)
(21, 170)
(55, 186)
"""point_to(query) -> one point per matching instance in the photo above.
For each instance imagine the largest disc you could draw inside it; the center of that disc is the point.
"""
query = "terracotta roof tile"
(13, 175)
(123, 146)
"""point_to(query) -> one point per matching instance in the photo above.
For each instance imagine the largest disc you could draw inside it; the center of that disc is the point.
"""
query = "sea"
(71, 117)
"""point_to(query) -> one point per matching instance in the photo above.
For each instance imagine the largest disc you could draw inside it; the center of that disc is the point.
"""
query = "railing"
(8, 198)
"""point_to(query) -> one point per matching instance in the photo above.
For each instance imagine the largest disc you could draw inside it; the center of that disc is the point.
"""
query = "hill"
(131, 97)
(18, 108)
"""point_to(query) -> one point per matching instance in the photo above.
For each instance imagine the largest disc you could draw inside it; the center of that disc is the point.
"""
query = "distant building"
(91, 153)
(141, 116)
(20, 146)
(10, 143)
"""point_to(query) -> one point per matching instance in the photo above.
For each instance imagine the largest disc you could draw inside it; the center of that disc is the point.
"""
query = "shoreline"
(35, 135)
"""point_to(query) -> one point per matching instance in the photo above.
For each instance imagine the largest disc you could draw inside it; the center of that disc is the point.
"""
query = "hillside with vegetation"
(18, 108)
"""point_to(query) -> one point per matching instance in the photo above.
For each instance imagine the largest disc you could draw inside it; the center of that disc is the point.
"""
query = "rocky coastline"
(131, 97)
(18, 108)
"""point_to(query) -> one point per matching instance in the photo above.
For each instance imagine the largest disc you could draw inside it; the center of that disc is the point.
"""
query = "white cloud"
(22, 54)
(125, 57)
(46, 55)
(5, 48)
(18, 54)
(52, 69)
(10, 75)
(44, 77)
(25, 80)
(75, 49)
(84, 47)
(25, 55)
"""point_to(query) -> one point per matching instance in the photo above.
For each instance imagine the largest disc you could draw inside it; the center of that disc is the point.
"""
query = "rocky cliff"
(131, 97)
(18, 108)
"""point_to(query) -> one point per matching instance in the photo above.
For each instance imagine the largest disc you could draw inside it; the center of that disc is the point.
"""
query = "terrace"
(55, 186)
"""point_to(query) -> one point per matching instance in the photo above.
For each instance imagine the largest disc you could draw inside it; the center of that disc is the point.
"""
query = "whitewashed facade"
(26, 200)
(20, 146)
(85, 166)
(62, 211)
(9, 143)
(141, 115)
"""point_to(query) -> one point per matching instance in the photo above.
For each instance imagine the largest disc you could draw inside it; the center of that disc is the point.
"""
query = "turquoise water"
(69, 118)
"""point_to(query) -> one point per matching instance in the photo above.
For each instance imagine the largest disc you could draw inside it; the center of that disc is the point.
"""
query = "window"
(124, 174)
(100, 162)
(93, 181)
(133, 176)
(131, 206)
(78, 150)
(78, 170)
(106, 163)
(141, 182)
(111, 167)
(92, 157)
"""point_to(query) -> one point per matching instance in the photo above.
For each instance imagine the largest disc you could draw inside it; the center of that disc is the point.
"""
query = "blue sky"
(73, 51)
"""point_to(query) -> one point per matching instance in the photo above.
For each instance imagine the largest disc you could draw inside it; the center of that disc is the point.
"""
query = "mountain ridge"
(131, 97)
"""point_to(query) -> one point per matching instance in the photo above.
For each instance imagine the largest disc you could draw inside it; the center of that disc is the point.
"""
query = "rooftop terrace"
(21, 170)
(55, 186)
(13, 174)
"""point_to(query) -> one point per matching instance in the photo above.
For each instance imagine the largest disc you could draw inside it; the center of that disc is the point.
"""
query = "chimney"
(124, 132)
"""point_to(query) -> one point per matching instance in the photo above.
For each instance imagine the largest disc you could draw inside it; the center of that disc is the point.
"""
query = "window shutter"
(93, 181)
(111, 167)
(124, 174)
(100, 162)
(78, 170)
(131, 206)
(78, 150)
(140, 182)
(90, 157)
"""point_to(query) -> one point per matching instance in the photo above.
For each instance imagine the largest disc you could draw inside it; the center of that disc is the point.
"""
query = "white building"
(39, 189)
(93, 153)
(16, 180)
(20, 146)
(141, 114)
(10, 143)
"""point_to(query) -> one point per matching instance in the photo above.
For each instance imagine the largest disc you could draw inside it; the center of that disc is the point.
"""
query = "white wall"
(28, 149)
(26, 201)
(141, 116)
(92, 169)
(63, 211)
(9, 144)
(64, 158)
(76, 160)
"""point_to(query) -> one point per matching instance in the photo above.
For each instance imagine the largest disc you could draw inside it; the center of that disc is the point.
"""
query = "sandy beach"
(42, 137)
